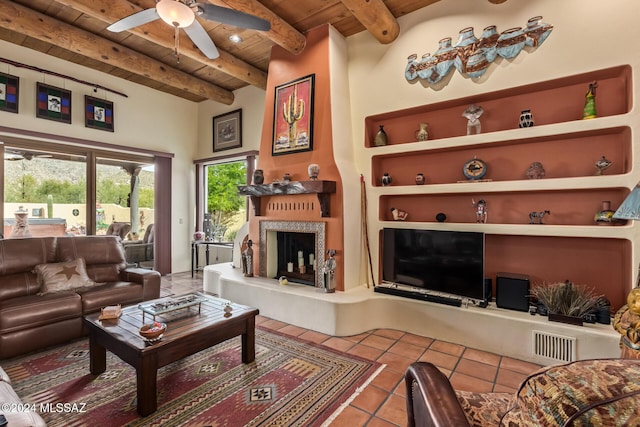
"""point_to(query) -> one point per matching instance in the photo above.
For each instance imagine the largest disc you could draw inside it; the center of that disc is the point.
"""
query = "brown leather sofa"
(13, 409)
(30, 320)
(598, 392)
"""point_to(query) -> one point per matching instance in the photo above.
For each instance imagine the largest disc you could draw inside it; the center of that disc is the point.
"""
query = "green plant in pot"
(566, 302)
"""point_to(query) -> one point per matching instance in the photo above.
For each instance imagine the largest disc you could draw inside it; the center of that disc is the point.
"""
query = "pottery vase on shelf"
(422, 134)
(420, 179)
(314, 171)
(386, 179)
(380, 138)
(605, 215)
(526, 119)
(258, 176)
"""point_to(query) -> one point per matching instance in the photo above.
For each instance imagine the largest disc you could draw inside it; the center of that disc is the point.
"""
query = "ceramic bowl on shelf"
(153, 331)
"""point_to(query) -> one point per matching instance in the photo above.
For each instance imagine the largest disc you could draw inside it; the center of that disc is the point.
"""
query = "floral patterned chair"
(599, 392)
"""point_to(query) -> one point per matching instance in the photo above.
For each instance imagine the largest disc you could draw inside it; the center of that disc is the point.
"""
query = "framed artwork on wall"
(293, 116)
(9, 86)
(53, 103)
(98, 113)
(227, 131)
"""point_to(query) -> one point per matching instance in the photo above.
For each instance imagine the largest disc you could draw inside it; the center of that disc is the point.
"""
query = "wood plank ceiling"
(75, 30)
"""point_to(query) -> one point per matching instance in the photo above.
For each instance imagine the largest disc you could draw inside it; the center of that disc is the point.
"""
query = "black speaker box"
(512, 291)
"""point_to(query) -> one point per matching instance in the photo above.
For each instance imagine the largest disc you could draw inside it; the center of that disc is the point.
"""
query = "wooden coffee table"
(189, 330)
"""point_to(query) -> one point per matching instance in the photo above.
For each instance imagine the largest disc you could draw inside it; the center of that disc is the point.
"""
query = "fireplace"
(286, 246)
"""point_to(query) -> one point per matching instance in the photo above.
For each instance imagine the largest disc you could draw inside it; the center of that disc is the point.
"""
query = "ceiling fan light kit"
(182, 14)
(175, 13)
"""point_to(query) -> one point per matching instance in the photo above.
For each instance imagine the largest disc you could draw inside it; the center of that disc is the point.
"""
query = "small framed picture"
(53, 103)
(98, 113)
(9, 86)
(227, 131)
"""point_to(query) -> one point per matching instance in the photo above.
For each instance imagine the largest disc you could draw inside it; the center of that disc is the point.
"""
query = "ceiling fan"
(182, 14)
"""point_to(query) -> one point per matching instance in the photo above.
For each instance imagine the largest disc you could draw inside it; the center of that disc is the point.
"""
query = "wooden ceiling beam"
(376, 17)
(34, 24)
(110, 11)
(281, 32)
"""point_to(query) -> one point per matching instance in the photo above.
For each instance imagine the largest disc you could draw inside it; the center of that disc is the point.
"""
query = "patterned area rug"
(291, 383)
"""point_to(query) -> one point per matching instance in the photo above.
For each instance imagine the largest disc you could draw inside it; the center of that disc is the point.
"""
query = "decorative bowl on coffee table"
(153, 331)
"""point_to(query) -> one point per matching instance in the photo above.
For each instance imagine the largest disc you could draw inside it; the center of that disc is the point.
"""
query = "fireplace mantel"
(322, 188)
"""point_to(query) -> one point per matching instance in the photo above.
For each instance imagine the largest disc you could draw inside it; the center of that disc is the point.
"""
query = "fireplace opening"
(297, 257)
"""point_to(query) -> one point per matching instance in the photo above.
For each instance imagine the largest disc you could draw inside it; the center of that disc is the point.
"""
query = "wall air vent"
(556, 347)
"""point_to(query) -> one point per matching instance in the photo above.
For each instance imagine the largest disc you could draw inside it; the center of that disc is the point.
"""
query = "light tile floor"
(382, 402)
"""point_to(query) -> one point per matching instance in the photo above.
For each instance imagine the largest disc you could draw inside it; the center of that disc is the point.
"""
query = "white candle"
(311, 259)
(300, 254)
(300, 262)
(290, 267)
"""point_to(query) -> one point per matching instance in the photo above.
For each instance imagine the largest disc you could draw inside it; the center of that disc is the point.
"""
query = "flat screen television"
(450, 262)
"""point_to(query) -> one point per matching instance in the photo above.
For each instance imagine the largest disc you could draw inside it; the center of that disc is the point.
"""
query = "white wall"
(146, 119)
(587, 35)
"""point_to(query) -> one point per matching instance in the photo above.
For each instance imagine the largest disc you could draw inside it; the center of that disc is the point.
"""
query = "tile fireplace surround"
(268, 252)
(360, 309)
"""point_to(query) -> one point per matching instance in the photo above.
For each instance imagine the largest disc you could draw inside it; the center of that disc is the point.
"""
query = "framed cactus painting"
(293, 116)
(227, 131)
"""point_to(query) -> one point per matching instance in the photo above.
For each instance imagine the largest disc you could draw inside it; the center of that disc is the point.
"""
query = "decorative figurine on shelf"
(380, 138)
(472, 114)
(386, 179)
(422, 134)
(537, 216)
(286, 178)
(258, 176)
(314, 171)
(441, 217)
(420, 180)
(329, 272)
(399, 215)
(247, 260)
(526, 119)
(589, 111)
(535, 171)
(481, 210)
(602, 165)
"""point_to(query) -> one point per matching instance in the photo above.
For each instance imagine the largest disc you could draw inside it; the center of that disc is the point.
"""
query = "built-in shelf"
(569, 245)
(322, 188)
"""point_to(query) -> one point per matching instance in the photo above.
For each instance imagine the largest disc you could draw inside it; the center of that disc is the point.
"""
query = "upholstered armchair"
(140, 252)
(601, 392)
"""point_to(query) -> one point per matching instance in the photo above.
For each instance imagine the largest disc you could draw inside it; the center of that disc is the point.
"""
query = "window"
(224, 210)
(45, 193)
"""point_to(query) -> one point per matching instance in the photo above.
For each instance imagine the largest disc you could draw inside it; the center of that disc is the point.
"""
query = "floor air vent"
(556, 347)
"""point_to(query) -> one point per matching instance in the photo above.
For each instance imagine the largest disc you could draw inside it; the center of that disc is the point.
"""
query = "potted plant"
(566, 302)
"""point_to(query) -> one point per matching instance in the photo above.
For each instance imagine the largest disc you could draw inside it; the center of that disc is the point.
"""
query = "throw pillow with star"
(63, 276)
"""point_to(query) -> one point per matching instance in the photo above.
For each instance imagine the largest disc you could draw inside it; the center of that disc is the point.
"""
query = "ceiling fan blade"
(138, 18)
(232, 17)
(201, 39)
